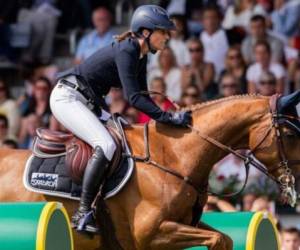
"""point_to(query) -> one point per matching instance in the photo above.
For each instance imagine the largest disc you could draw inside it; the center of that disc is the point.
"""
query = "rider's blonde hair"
(124, 35)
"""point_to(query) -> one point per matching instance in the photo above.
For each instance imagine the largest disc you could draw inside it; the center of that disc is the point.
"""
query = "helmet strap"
(147, 40)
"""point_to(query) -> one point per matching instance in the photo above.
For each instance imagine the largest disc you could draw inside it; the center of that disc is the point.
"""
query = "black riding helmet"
(150, 17)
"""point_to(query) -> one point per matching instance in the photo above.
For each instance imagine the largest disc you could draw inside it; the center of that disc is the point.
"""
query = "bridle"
(286, 180)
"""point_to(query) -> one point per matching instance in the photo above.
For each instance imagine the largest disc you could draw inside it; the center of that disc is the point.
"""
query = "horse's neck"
(229, 122)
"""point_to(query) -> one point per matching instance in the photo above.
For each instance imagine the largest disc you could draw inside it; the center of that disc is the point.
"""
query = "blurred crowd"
(220, 48)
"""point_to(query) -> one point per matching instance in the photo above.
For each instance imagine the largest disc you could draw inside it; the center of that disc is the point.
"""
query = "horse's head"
(275, 141)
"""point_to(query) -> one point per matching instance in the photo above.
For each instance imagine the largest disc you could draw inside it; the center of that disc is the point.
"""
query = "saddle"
(50, 144)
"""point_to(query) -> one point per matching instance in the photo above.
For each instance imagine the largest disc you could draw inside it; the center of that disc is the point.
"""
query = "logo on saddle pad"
(45, 180)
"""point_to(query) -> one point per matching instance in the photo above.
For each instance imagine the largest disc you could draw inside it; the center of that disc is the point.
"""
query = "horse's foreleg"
(172, 235)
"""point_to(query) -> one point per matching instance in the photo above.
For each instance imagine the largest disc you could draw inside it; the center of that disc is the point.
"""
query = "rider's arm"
(127, 64)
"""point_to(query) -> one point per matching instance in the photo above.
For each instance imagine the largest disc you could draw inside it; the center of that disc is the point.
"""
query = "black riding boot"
(83, 219)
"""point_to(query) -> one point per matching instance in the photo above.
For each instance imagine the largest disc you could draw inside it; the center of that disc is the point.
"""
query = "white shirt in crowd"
(255, 71)
(172, 79)
(215, 48)
(242, 19)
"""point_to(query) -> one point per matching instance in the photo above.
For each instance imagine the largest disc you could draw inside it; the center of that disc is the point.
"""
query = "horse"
(156, 208)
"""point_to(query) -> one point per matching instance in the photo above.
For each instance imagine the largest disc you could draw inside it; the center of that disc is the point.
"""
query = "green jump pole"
(249, 231)
(35, 226)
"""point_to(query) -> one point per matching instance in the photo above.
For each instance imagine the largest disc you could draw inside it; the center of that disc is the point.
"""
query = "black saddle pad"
(50, 176)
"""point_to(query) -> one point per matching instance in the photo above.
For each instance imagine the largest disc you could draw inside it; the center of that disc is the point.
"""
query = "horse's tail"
(107, 230)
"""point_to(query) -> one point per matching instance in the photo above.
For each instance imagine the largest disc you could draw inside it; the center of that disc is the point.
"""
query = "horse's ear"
(287, 104)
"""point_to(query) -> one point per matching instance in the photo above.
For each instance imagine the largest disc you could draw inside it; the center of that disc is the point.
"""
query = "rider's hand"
(181, 118)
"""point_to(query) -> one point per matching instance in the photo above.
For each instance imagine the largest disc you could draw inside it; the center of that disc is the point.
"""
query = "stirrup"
(86, 223)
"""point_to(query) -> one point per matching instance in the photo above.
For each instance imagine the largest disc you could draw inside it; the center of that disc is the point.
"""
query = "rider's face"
(159, 39)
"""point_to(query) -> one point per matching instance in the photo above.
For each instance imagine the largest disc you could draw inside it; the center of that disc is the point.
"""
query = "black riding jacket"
(119, 65)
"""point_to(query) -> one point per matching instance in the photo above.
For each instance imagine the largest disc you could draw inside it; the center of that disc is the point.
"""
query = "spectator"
(258, 32)
(247, 201)
(240, 13)
(3, 128)
(28, 130)
(264, 204)
(117, 103)
(9, 143)
(214, 38)
(157, 85)
(191, 95)
(169, 71)
(30, 74)
(199, 72)
(263, 64)
(195, 23)
(267, 84)
(294, 73)
(10, 108)
(290, 239)
(286, 17)
(131, 115)
(177, 41)
(235, 65)
(100, 37)
(216, 204)
(229, 85)
(42, 16)
(38, 104)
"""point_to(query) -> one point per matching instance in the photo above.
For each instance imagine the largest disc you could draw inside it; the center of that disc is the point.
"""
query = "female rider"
(77, 98)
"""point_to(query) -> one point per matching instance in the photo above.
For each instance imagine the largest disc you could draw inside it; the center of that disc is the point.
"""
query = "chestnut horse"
(154, 210)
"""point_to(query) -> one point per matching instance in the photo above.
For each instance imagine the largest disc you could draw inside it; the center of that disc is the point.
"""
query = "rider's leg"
(70, 108)
(92, 180)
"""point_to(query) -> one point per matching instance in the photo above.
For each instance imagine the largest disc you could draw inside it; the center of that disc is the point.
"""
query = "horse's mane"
(198, 106)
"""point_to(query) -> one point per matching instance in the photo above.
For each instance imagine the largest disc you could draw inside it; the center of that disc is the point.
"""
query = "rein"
(283, 180)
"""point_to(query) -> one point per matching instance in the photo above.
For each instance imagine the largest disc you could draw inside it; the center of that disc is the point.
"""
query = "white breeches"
(71, 109)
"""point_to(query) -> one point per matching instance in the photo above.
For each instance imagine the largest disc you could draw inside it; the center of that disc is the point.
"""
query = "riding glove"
(181, 118)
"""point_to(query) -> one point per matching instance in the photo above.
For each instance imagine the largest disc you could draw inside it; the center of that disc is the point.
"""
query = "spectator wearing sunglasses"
(229, 85)
(235, 65)
(267, 84)
(199, 72)
(191, 95)
(38, 104)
